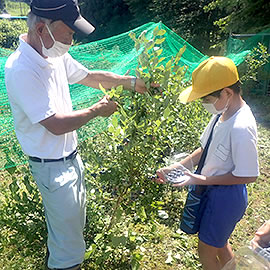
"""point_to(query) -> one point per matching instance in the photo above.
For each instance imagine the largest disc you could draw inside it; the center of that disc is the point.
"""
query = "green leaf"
(158, 52)
(137, 256)
(175, 69)
(111, 129)
(168, 65)
(138, 73)
(143, 59)
(154, 62)
(117, 132)
(149, 45)
(123, 112)
(167, 101)
(118, 240)
(142, 213)
(179, 54)
(98, 237)
(154, 228)
(132, 238)
(160, 40)
(156, 30)
(167, 112)
(88, 253)
(171, 118)
(135, 265)
(158, 123)
(120, 88)
(132, 36)
(24, 197)
(118, 215)
(28, 185)
(161, 32)
(102, 89)
(115, 121)
(11, 170)
(14, 187)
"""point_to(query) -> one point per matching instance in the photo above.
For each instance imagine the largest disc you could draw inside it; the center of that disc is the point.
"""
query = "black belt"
(71, 156)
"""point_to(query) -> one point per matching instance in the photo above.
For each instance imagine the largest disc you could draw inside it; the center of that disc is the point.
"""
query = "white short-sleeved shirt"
(37, 89)
(233, 147)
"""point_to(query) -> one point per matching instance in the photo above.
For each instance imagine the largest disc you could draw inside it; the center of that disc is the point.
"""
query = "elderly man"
(37, 78)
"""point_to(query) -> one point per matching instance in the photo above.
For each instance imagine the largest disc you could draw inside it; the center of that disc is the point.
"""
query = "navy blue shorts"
(225, 206)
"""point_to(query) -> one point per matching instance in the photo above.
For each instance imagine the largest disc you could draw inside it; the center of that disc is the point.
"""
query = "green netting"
(239, 46)
(116, 54)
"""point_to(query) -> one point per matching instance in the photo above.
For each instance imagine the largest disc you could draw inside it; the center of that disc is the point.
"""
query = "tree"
(203, 23)
(241, 16)
(110, 17)
(2, 5)
(187, 18)
(140, 10)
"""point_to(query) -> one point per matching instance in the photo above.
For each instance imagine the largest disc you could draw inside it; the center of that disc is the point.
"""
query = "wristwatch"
(133, 83)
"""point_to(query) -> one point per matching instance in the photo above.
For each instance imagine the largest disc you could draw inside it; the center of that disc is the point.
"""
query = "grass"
(166, 247)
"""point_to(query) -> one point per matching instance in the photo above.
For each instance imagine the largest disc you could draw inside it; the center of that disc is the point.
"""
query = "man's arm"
(59, 124)
(110, 79)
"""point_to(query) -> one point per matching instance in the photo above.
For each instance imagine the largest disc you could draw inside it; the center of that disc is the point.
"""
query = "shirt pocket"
(222, 152)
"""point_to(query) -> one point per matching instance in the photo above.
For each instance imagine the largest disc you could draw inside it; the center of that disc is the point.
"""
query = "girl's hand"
(161, 179)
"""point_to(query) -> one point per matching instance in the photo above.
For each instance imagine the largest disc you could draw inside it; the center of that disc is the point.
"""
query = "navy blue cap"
(64, 10)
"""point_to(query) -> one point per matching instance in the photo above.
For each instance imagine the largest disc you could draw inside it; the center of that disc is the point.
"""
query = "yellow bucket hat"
(213, 74)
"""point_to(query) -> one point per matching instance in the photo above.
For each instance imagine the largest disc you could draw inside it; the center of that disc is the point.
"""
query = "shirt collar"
(30, 52)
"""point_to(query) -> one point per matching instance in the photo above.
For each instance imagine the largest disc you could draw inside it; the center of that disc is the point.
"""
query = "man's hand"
(106, 106)
(140, 86)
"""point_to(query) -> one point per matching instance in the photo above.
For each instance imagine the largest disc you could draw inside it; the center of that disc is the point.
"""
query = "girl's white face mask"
(58, 48)
(210, 107)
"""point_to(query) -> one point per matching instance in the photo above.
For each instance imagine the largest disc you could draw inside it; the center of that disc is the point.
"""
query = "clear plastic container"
(252, 257)
(177, 175)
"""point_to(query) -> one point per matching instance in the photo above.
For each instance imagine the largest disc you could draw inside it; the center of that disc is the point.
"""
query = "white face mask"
(210, 107)
(58, 48)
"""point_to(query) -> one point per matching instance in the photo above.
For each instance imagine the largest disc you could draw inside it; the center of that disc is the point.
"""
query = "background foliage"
(2, 5)
(10, 30)
(206, 24)
(203, 23)
(241, 16)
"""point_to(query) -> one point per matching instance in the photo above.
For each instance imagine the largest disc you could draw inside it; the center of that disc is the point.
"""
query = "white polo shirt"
(37, 89)
(233, 146)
